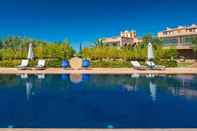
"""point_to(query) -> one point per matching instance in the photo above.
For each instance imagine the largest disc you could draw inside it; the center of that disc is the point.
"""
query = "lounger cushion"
(24, 63)
(41, 63)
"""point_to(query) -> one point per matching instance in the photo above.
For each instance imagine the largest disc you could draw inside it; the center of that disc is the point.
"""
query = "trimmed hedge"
(168, 63)
(53, 63)
(96, 63)
(112, 64)
(120, 64)
(9, 63)
(14, 63)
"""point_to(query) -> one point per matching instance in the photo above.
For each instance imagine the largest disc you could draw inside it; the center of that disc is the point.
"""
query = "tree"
(39, 50)
(80, 49)
(68, 50)
(146, 39)
(157, 43)
(12, 42)
(99, 42)
(194, 46)
(86, 52)
(1, 44)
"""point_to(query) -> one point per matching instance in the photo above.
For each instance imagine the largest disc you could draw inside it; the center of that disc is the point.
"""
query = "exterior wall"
(112, 41)
(126, 41)
(179, 36)
(125, 38)
(178, 40)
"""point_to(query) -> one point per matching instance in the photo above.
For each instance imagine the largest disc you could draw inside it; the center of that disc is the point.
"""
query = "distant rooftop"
(182, 27)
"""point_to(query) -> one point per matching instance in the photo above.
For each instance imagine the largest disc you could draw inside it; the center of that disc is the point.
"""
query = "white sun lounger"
(41, 64)
(23, 65)
(153, 66)
(136, 65)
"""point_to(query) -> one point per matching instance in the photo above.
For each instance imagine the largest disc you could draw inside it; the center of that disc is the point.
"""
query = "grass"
(184, 64)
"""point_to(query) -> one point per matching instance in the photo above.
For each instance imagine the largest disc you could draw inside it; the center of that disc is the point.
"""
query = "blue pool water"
(98, 101)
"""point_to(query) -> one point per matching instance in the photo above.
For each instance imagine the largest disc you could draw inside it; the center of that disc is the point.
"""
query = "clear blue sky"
(85, 20)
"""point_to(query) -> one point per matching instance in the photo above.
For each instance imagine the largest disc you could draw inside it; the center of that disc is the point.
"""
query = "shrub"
(9, 63)
(32, 63)
(168, 63)
(53, 63)
(17, 48)
(112, 64)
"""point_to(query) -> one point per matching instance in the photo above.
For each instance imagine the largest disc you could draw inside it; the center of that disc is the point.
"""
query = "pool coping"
(84, 129)
(99, 71)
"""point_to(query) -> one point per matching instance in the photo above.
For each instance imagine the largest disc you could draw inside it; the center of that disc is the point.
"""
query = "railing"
(179, 46)
(179, 34)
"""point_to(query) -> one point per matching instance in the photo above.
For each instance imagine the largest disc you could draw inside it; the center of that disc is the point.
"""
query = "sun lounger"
(153, 66)
(40, 65)
(136, 65)
(23, 65)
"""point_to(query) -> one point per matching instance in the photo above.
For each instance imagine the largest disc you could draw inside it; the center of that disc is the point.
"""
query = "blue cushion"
(86, 63)
(65, 64)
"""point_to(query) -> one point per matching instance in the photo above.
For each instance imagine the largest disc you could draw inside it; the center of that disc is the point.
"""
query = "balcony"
(178, 34)
(179, 47)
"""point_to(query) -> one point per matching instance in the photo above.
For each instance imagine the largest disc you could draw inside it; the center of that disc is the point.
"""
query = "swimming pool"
(98, 101)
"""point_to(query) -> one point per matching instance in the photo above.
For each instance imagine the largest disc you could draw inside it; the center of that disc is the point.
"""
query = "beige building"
(181, 37)
(124, 39)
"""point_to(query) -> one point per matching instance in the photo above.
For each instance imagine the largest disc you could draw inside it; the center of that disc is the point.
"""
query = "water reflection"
(85, 77)
(76, 78)
(136, 83)
(28, 89)
(28, 85)
(177, 85)
(64, 77)
(24, 76)
(153, 90)
(41, 76)
(32, 82)
(118, 100)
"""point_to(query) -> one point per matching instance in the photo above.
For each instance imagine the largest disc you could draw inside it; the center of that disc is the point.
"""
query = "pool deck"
(30, 129)
(98, 71)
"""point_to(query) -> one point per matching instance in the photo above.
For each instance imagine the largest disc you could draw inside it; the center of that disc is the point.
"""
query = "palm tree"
(194, 46)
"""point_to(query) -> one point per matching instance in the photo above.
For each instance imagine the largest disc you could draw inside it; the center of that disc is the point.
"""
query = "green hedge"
(112, 64)
(14, 63)
(53, 63)
(109, 63)
(9, 63)
(168, 63)
(120, 64)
